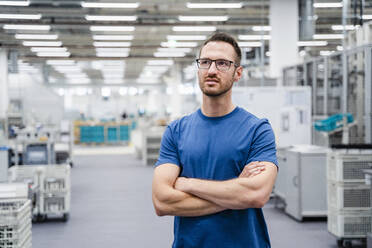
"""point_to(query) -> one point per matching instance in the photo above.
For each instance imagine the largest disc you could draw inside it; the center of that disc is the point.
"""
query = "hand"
(252, 169)
(181, 184)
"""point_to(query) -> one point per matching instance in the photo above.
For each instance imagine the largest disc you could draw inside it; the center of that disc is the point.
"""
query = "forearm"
(239, 193)
(233, 194)
(177, 203)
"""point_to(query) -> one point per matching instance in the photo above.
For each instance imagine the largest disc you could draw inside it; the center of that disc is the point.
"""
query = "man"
(207, 174)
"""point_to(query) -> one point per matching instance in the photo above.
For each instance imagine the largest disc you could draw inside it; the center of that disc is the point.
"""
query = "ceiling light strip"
(36, 36)
(20, 16)
(110, 5)
(14, 3)
(194, 28)
(328, 5)
(112, 37)
(214, 5)
(42, 43)
(26, 27)
(110, 18)
(113, 28)
(203, 18)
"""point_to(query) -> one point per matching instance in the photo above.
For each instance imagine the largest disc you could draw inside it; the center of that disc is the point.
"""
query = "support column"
(4, 93)
(284, 35)
(173, 83)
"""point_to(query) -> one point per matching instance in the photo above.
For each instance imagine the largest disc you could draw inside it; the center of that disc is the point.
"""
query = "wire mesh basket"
(15, 224)
(349, 196)
(349, 224)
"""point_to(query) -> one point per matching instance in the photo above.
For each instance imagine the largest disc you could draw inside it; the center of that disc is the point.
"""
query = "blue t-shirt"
(218, 148)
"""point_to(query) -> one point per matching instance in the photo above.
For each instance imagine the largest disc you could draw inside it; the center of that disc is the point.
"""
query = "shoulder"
(178, 124)
(251, 119)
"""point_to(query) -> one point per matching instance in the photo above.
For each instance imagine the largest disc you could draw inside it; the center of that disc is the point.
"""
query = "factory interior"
(88, 88)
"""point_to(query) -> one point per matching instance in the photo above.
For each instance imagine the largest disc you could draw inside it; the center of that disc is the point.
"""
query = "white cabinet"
(306, 187)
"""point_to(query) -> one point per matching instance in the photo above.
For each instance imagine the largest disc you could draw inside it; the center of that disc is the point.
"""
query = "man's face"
(213, 82)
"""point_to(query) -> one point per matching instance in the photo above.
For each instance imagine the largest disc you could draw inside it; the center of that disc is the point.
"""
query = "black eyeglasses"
(221, 64)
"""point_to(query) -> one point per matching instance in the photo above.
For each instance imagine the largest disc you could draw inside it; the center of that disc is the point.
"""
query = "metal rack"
(51, 189)
(341, 83)
(349, 199)
(15, 223)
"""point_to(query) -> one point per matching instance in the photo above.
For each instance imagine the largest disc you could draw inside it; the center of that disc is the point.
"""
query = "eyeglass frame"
(215, 60)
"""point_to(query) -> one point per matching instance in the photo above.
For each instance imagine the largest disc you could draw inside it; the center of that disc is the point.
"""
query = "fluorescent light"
(312, 43)
(249, 44)
(42, 43)
(113, 54)
(15, 3)
(328, 36)
(20, 16)
(367, 17)
(328, 5)
(160, 62)
(113, 28)
(112, 49)
(48, 49)
(169, 54)
(261, 28)
(53, 54)
(110, 18)
(203, 18)
(112, 37)
(179, 44)
(175, 49)
(26, 27)
(214, 5)
(254, 37)
(111, 44)
(186, 37)
(340, 27)
(60, 62)
(36, 36)
(194, 29)
(110, 5)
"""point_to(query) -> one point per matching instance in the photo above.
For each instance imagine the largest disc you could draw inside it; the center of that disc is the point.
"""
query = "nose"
(212, 69)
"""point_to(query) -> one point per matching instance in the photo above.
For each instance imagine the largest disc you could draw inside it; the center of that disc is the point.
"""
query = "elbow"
(160, 207)
(159, 212)
(256, 200)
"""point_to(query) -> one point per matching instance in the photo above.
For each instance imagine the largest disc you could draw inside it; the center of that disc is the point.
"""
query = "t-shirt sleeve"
(263, 144)
(168, 149)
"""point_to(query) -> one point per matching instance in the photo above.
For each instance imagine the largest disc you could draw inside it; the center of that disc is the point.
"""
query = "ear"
(238, 73)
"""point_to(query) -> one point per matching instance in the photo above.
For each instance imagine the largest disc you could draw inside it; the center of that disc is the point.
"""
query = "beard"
(223, 87)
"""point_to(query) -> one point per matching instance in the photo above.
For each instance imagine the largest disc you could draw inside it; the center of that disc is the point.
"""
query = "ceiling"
(153, 21)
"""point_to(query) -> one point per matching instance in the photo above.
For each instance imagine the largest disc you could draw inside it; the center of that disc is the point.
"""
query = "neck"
(217, 106)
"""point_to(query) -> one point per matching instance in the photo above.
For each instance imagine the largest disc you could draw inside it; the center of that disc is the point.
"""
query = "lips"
(211, 80)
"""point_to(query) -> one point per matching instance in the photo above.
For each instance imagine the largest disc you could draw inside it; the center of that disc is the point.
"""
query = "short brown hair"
(228, 39)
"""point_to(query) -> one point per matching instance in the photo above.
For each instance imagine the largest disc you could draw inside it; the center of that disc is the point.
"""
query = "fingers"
(252, 169)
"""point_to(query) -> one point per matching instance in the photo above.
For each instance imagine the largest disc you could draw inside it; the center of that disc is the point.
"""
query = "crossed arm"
(173, 195)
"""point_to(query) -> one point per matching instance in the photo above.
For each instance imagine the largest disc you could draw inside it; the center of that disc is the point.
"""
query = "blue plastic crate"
(124, 133)
(112, 134)
(333, 122)
(92, 134)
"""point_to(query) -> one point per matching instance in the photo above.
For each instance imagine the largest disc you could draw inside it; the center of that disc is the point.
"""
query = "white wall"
(40, 103)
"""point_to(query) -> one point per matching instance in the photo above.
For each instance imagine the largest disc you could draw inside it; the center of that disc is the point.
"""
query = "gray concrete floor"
(111, 207)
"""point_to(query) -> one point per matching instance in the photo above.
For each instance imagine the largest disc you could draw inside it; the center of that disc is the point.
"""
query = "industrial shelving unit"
(348, 197)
